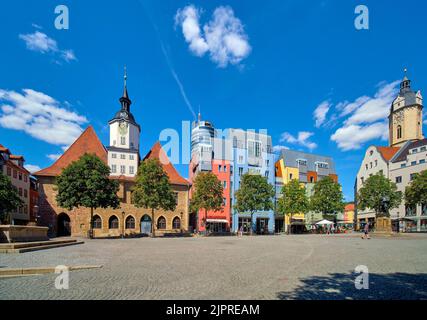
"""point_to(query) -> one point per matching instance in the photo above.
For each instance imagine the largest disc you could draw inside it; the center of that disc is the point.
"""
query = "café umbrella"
(324, 223)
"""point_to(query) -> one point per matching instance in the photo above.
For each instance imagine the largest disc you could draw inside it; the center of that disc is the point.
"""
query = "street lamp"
(180, 221)
(123, 224)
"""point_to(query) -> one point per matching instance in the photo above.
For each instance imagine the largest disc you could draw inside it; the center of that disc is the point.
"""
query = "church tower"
(123, 152)
(406, 115)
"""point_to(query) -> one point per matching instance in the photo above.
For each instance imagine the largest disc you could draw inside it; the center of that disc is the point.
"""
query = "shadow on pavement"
(341, 286)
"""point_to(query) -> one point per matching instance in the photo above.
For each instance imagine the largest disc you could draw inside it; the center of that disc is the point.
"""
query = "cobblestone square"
(259, 267)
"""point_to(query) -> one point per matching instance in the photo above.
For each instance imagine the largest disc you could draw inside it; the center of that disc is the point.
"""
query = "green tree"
(207, 195)
(377, 191)
(294, 199)
(416, 192)
(255, 194)
(152, 189)
(9, 199)
(327, 198)
(86, 183)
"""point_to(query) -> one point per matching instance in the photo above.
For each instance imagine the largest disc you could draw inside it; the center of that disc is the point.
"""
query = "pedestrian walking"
(366, 231)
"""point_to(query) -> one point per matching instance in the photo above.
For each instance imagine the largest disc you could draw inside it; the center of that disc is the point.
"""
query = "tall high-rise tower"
(123, 152)
(406, 115)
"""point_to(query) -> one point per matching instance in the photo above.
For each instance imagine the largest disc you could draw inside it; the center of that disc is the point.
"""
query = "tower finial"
(125, 76)
(199, 115)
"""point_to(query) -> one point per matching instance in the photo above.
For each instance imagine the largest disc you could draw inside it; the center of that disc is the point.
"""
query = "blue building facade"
(250, 152)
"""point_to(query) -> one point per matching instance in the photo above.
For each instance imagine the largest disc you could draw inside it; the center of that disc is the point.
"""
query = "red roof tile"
(88, 142)
(3, 149)
(157, 152)
(388, 152)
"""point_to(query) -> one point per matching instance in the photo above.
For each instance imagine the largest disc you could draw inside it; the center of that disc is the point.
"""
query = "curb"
(41, 270)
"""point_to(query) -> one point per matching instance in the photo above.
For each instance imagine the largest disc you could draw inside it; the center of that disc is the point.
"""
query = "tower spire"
(405, 85)
(124, 100)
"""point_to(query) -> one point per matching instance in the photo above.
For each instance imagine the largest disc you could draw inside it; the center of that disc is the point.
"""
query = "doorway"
(64, 225)
(262, 226)
(146, 225)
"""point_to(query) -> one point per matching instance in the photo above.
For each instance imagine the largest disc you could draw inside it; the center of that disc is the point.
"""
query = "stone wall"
(80, 217)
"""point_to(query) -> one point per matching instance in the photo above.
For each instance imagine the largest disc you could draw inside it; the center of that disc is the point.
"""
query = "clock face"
(398, 118)
(123, 128)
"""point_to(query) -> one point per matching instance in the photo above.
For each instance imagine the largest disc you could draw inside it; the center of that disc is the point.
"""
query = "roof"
(387, 152)
(157, 152)
(4, 149)
(88, 142)
(16, 157)
(290, 158)
(349, 207)
(407, 147)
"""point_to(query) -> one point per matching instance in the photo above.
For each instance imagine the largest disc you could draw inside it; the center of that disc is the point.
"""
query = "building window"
(245, 224)
(410, 211)
(362, 179)
(403, 165)
(424, 209)
(97, 222)
(399, 132)
(113, 168)
(376, 163)
(240, 159)
(224, 202)
(224, 184)
(422, 161)
(113, 223)
(176, 197)
(130, 222)
(176, 223)
(413, 163)
(412, 176)
(20, 176)
(267, 173)
(240, 171)
(14, 174)
(366, 166)
(131, 145)
(161, 223)
(122, 169)
(131, 157)
(131, 170)
(423, 149)
(25, 178)
(123, 156)
(114, 155)
(399, 179)
(311, 179)
(290, 176)
(123, 140)
(219, 168)
(20, 192)
(25, 193)
(25, 210)
(9, 171)
(225, 168)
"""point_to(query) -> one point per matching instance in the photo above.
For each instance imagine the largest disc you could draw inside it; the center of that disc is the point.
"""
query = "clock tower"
(123, 152)
(406, 115)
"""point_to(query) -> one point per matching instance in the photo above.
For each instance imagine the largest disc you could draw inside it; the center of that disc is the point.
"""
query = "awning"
(217, 220)
(324, 222)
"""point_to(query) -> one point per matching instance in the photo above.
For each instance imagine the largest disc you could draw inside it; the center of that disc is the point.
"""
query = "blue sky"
(276, 64)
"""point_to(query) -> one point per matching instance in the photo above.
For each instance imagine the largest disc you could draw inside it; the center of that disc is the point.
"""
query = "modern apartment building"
(308, 168)
(229, 154)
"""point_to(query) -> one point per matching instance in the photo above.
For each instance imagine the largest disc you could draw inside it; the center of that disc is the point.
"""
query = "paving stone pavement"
(258, 267)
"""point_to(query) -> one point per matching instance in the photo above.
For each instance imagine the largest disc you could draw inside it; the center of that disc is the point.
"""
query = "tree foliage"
(9, 198)
(294, 199)
(208, 193)
(416, 192)
(86, 183)
(327, 197)
(152, 189)
(255, 194)
(374, 191)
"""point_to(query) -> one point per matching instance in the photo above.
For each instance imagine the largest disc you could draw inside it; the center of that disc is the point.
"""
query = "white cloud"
(53, 157)
(40, 42)
(365, 118)
(352, 137)
(32, 168)
(40, 116)
(321, 112)
(223, 37)
(279, 148)
(303, 139)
